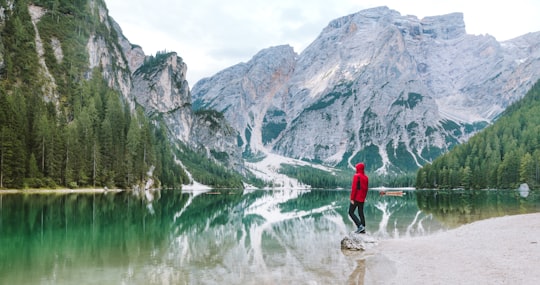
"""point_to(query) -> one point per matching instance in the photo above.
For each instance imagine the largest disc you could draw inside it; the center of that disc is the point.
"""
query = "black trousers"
(360, 206)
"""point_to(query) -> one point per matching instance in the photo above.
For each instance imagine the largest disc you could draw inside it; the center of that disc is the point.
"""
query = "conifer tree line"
(502, 156)
(88, 136)
(103, 144)
(342, 177)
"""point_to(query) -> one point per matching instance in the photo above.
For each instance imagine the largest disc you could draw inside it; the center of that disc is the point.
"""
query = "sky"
(211, 35)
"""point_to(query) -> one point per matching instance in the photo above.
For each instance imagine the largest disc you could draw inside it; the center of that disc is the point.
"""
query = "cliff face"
(394, 91)
(247, 92)
(159, 85)
(156, 83)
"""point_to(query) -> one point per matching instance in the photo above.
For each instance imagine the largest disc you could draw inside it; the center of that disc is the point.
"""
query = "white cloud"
(211, 35)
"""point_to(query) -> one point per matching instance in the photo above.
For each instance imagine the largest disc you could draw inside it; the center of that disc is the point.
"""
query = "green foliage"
(239, 141)
(152, 63)
(167, 169)
(369, 115)
(412, 100)
(198, 104)
(411, 128)
(400, 157)
(341, 90)
(85, 135)
(394, 180)
(315, 177)
(501, 156)
(247, 153)
(211, 116)
(66, 27)
(452, 127)
(103, 145)
(370, 156)
(273, 124)
(455, 207)
(342, 178)
(431, 152)
(206, 171)
(220, 155)
(475, 127)
(271, 131)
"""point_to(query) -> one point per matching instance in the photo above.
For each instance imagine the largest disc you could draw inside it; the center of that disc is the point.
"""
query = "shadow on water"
(222, 237)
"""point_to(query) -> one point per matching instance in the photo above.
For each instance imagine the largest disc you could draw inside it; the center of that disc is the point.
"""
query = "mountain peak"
(447, 26)
(394, 91)
(371, 15)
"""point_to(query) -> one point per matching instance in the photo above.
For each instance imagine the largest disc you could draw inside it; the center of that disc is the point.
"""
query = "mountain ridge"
(394, 90)
(391, 90)
(82, 106)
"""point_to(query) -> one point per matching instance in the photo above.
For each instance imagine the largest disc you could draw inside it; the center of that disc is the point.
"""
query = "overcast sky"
(211, 35)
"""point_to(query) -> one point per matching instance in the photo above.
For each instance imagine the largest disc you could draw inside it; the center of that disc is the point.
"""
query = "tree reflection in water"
(228, 236)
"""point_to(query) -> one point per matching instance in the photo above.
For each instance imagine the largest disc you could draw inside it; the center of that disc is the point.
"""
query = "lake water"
(224, 237)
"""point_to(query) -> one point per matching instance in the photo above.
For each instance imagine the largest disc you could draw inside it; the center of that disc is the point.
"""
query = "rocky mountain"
(394, 91)
(82, 106)
(159, 85)
(391, 90)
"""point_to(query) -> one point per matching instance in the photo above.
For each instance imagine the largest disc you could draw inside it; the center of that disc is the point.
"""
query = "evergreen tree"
(85, 134)
(527, 170)
(501, 156)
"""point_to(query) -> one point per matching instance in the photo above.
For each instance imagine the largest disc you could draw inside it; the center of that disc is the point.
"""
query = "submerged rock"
(355, 241)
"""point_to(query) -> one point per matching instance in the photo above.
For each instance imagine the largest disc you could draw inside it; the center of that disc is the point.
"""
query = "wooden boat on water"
(392, 193)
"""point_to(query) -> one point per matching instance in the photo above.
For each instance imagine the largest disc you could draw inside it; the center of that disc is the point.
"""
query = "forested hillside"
(62, 125)
(501, 156)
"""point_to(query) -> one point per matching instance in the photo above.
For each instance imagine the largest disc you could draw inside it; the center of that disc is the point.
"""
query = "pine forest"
(502, 156)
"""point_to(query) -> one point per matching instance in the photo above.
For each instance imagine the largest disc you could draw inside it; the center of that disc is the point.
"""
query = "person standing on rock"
(359, 191)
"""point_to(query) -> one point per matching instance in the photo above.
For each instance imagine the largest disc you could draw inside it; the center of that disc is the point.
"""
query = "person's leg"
(352, 208)
(361, 213)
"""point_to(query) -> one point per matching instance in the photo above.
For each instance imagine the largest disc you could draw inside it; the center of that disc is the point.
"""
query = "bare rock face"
(246, 93)
(394, 91)
(158, 84)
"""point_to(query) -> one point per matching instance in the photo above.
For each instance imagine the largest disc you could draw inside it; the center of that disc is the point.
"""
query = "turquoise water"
(223, 237)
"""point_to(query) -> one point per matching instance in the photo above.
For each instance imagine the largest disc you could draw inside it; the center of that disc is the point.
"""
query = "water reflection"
(224, 237)
(523, 190)
(455, 208)
(359, 273)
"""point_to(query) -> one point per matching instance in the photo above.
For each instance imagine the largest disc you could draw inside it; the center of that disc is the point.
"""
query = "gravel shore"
(503, 250)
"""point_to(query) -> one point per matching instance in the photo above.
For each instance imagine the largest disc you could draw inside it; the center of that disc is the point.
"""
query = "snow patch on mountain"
(268, 170)
(376, 86)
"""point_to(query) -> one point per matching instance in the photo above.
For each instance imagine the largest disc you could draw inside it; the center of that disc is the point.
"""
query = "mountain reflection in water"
(223, 237)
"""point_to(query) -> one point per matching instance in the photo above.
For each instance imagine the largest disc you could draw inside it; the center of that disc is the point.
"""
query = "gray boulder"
(356, 242)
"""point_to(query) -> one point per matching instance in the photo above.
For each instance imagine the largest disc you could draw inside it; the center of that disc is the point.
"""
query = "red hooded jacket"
(360, 183)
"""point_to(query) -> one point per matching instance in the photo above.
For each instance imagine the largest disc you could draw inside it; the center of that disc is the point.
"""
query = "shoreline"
(60, 191)
(502, 250)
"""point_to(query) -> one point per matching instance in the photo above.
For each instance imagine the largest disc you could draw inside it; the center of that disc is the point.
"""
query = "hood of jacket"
(360, 168)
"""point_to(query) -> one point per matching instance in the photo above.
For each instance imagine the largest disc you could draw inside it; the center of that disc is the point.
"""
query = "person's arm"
(353, 188)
